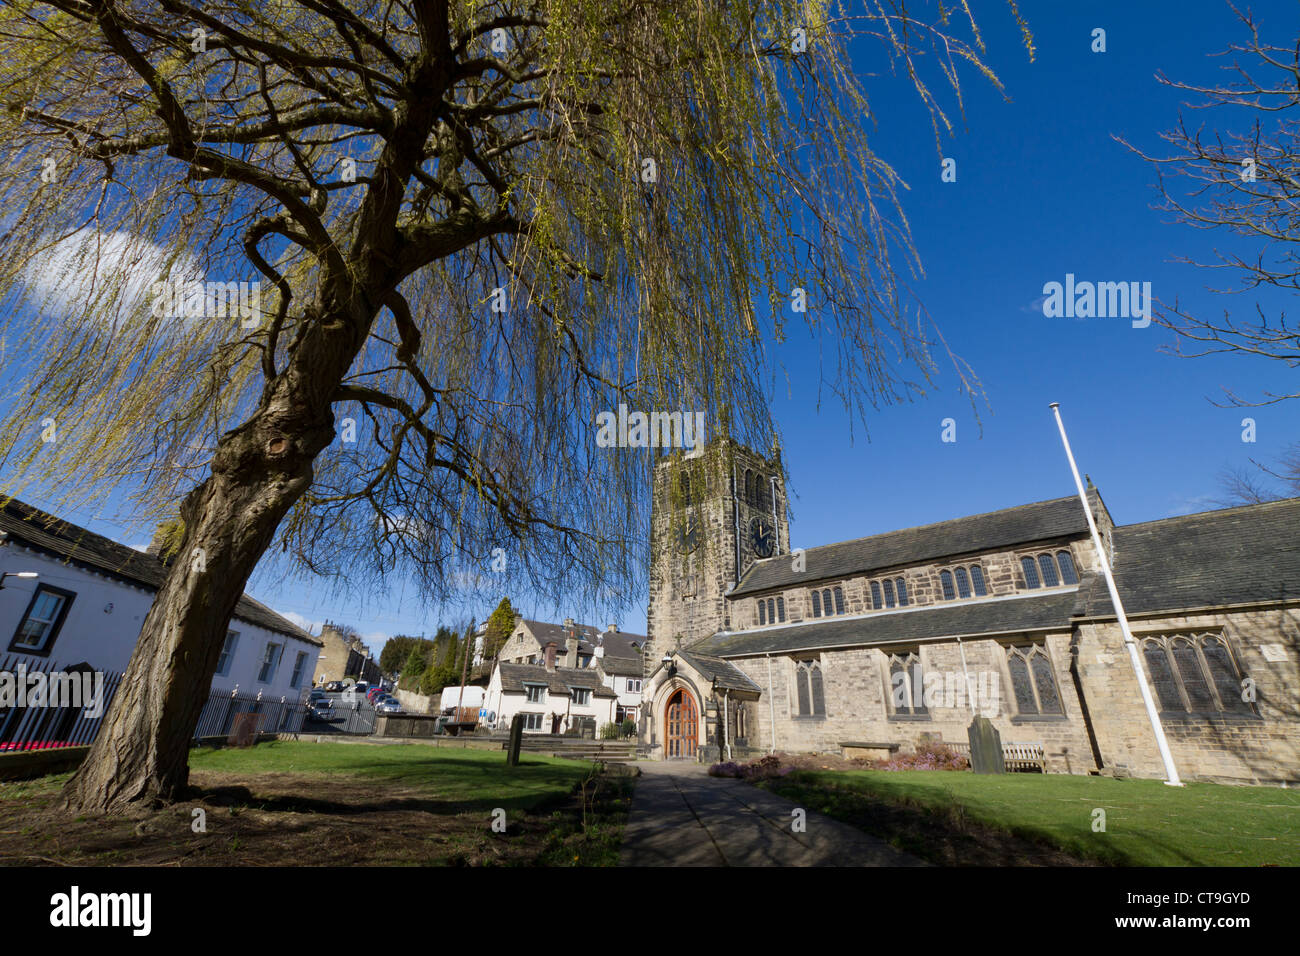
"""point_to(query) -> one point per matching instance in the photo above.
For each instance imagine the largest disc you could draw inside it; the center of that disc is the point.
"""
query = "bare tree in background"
(476, 226)
(1246, 183)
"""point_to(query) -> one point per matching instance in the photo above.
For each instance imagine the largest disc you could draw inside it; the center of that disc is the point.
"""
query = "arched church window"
(762, 612)
(963, 583)
(809, 691)
(1048, 567)
(780, 609)
(760, 498)
(889, 593)
(1031, 573)
(686, 490)
(945, 579)
(817, 603)
(749, 486)
(1224, 675)
(839, 600)
(901, 586)
(771, 610)
(977, 578)
(1066, 562)
(875, 596)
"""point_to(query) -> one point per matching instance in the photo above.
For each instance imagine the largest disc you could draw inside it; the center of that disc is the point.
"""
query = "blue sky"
(1043, 189)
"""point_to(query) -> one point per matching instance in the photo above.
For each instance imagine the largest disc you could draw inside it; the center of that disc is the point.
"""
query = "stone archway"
(681, 725)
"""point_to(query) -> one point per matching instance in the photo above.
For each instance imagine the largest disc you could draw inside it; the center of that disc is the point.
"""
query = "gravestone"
(985, 747)
(516, 740)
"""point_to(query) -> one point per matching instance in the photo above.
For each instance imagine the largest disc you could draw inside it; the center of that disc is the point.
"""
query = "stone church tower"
(714, 512)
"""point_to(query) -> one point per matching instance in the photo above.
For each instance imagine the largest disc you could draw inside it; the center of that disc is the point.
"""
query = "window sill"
(1040, 719)
(1182, 716)
(808, 717)
(914, 718)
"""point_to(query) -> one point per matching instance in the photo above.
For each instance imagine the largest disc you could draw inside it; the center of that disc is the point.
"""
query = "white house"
(88, 601)
(554, 699)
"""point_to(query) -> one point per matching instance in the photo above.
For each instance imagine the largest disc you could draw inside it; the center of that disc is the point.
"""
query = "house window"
(227, 653)
(808, 688)
(1068, 574)
(1032, 680)
(43, 620)
(817, 603)
(889, 593)
(907, 684)
(295, 681)
(634, 685)
(532, 721)
(1031, 574)
(901, 586)
(876, 603)
(963, 583)
(581, 696)
(535, 693)
(780, 609)
(945, 579)
(1195, 674)
(977, 578)
(762, 612)
(270, 662)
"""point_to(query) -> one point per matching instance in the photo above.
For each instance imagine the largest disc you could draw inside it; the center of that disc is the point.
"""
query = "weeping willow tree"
(355, 279)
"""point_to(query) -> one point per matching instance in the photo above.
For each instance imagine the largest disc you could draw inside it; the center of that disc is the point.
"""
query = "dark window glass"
(906, 684)
(945, 578)
(817, 603)
(875, 596)
(1227, 681)
(889, 593)
(963, 583)
(977, 578)
(801, 684)
(1045, 681)
(1020, 684)
(818, 695)
(1199, 697)
(902, 591)
(762, 612)
(771, 610)
(1162, 676)
(1066, 563)
(780, 609)
(1031, 575)
(686, 489)
(1048, 567)
(749, 485)
(839, 601)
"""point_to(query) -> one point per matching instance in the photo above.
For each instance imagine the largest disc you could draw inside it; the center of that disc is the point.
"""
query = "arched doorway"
(681, 725)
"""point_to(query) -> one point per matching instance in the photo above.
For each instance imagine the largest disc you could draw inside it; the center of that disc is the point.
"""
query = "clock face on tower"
(762, 537)
(687, 536)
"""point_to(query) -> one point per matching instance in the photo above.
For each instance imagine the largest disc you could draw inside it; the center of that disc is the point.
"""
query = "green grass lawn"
(462, 778)
(1146, 822)
(340, 804)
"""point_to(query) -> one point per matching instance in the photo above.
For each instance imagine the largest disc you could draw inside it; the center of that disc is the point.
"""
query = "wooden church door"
(682, 731)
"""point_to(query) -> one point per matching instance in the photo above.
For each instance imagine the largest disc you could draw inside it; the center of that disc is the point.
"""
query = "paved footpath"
(683, 817)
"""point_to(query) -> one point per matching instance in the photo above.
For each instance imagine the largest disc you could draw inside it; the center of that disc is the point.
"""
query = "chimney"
(570, 644)
(167, 536)
(550, 657)
(611, 629)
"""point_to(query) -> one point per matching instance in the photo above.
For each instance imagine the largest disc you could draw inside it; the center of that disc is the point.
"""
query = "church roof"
(724, 674)
(1039, 521)
(61, 539)
(1037, 611)
(1243, 555)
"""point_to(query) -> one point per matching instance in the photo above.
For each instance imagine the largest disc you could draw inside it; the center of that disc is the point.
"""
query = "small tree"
(499, 627)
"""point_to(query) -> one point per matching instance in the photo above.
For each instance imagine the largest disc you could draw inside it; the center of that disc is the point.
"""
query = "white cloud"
(302, 621)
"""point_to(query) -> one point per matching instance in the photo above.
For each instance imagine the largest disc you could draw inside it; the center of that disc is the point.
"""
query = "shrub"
(609, 731)
(629, 727)
(765, 768)
(927, 757)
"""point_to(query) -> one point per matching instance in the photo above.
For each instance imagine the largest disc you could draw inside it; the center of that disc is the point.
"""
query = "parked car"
(317, 694)
(334, 686)
(373, 693)
(389, 706)
(321, 710)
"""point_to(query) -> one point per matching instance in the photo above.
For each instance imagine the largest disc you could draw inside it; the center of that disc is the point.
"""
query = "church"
(881, 644)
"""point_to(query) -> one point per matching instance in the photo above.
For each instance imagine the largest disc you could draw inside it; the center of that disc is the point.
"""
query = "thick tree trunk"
(140, 758)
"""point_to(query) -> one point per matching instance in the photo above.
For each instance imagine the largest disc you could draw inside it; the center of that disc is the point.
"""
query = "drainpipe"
(771, 704)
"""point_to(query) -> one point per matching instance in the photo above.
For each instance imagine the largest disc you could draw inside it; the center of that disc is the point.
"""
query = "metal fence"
(26, 724)
(274, 715)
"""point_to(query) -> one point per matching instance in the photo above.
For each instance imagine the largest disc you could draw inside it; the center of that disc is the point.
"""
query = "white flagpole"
(1171, 772)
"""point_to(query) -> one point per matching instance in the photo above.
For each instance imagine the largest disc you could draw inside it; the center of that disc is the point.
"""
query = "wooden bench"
(1015, 756)
(867, 750)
